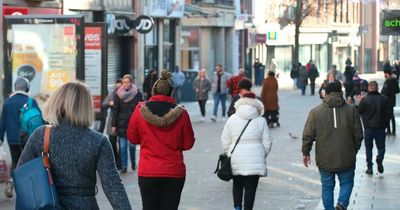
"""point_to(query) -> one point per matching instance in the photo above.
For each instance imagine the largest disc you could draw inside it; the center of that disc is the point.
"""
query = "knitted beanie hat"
(164, 85)
(333, 87)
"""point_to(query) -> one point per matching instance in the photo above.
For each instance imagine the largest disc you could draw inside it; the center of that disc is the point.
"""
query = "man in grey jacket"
(335, 126)
(219, 90)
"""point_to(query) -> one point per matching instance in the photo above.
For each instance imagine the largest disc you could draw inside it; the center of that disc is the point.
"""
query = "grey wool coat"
(76, 154)
(203, 87)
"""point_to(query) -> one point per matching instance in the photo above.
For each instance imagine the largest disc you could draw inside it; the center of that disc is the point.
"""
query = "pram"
(272, 118)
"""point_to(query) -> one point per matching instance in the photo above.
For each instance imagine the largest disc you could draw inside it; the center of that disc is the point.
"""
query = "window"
(190, 48)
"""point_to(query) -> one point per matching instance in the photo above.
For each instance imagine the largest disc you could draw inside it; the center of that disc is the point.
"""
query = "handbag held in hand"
(224, 168)
(33, 182)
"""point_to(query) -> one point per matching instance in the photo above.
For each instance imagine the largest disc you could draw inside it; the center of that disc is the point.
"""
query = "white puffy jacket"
(249, 157)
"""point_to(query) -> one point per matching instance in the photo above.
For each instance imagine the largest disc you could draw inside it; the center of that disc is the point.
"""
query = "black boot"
(379, 165)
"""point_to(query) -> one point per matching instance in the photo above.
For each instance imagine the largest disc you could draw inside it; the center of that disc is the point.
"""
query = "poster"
(166, 8)
(43, 53)
(93, 68)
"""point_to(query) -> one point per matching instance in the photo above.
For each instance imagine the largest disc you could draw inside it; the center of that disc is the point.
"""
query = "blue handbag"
(33, 182)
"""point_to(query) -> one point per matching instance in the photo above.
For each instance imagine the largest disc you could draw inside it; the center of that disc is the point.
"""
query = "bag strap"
(248, 122)
(46, 144)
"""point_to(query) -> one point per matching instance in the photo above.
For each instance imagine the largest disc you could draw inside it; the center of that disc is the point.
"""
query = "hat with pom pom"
(164, 85)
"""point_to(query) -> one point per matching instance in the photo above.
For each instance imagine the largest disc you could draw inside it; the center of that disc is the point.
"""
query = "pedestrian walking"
(335, 127)
(249, 159)
(348, 62)
(148, 83)
(322, 90)
(338, 74)
(219, 90)
(390, 89)
(376, 113)
(112, 136)
(244, 87)
(77, 152)
(348, 78)
(359, 90)
(201, 86)
(233, 82)
(10, 124)
(178, 79)
(258, 72)
(269, 97)
(163, 130)
(312, 75)
(294, 74)
(125, 101)
(387, 67)
(303, 79)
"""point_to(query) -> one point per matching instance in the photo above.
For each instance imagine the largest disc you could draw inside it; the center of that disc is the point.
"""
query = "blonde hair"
(201, 71)
(128, 76)
(71, 102)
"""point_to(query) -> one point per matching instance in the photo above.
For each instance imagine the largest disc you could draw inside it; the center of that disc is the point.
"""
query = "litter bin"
(188, 93)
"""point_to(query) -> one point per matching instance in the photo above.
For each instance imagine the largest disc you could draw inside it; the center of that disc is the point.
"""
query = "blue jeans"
(217, 98)
(346, 180)
(380, 137)
(123, 152)
(303, 90)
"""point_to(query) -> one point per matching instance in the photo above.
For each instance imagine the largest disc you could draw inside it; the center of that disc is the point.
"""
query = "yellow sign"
(56, 79)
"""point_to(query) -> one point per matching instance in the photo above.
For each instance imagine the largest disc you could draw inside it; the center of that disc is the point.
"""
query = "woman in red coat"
(269, 97)
(163, 130)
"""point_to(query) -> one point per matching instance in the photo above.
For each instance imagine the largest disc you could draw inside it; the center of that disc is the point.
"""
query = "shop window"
(190, 54)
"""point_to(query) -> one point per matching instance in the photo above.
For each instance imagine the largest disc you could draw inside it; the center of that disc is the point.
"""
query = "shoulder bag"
(224, 168)
(33, 182)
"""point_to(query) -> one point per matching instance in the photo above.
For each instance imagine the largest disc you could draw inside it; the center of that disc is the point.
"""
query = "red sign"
(261, 38)
(7, 10)
(92, 38)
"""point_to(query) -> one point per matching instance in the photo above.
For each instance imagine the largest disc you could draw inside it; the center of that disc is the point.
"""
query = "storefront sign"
(7, 10)
(272, 35)
(243, 17)
(390, 24)
(120, 24)
(166, 8)
(260, 38)
(93, 68)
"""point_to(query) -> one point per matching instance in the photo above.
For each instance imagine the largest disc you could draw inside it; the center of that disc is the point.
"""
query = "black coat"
(122, 112)
(375, 110)
(390, 89)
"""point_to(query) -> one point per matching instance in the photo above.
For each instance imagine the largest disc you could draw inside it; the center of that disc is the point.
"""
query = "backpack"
(30, 117)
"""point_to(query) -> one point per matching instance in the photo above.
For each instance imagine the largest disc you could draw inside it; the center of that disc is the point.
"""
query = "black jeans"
(249, 184)
(114, 143)
(379, 135)
(160, 193)
(312, 85)
(15, 151)
(202, 104)
(393, 130)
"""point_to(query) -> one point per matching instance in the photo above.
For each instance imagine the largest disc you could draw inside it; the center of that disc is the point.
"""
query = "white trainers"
(201, 119)
(224, 119)
(214, 118)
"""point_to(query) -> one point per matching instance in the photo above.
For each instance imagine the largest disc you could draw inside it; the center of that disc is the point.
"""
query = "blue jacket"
(178, 78)
(9, 122)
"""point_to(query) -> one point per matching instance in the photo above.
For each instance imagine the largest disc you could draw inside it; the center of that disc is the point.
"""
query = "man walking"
(220, 90)
(233, 82)
(390, 89)
(336, 128)
(375, 110)
(178, 78)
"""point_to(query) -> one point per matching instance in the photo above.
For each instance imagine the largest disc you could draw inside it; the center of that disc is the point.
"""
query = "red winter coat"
(163, 130)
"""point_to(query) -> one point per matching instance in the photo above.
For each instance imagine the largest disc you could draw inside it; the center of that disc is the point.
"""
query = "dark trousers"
(303, 89)
(392, 119)
(15, 151)
(379, 135)
(202, 104)
(312, 85)
(160, 193)
(114, 143)
(249, 185)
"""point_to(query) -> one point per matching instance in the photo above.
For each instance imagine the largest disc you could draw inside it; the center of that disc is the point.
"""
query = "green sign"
(272, 35)
(390, 22)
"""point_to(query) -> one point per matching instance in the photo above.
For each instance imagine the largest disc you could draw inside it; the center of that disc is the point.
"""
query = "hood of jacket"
(249, 108)
(334, 100)
(161, 111)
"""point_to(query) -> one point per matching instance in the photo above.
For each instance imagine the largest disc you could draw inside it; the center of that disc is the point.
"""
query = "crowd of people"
(155, 121)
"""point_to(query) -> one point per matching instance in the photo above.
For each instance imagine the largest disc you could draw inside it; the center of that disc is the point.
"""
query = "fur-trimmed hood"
(249, 108)
(165, 120)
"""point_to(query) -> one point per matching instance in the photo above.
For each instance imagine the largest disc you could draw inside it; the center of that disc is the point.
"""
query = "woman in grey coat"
(76, 151)
(201, 86)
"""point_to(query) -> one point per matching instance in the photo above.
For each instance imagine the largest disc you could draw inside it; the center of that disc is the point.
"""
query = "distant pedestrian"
(274, 68)
(201, 86)
(303, 80)
(390, 89)
(258, 72)
(269, 97)
(348, 62)
(249, 158)
(77, 153)
(233, 82)
(148, 83)
(387, 67)
(113, 136)
(312, 75)
(359, 89)
(163, 130)
(376, 113)
(178, 78)
(396, 70)
(338, 74)
(219, 90)
(10, 124)
(348, 78)
(125, 101)
(322, 90)
(336, 129)
(244, 87)
(294, 74)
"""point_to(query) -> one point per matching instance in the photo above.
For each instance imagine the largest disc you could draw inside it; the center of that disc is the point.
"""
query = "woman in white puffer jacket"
(249, 158)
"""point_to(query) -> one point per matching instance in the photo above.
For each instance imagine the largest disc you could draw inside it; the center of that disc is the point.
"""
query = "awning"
(193, 11)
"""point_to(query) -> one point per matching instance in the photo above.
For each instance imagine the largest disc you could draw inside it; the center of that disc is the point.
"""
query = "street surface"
(289, 184)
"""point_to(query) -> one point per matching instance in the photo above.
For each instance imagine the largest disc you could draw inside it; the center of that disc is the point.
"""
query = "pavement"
(289, 185)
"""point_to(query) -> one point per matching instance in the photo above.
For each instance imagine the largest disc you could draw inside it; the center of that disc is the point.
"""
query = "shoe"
(202, 119)
(379, 165)
(214, 118)
(339, 207)
(124, 170)
(134, 168)
(237, 208)
(224, 119)
(369, 171)
(9, 189)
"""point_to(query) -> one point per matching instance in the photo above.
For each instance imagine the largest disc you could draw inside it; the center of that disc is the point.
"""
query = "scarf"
(127, 95)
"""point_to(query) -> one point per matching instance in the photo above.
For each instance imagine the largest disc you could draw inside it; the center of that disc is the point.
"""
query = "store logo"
(123, 24)
(144, 24)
